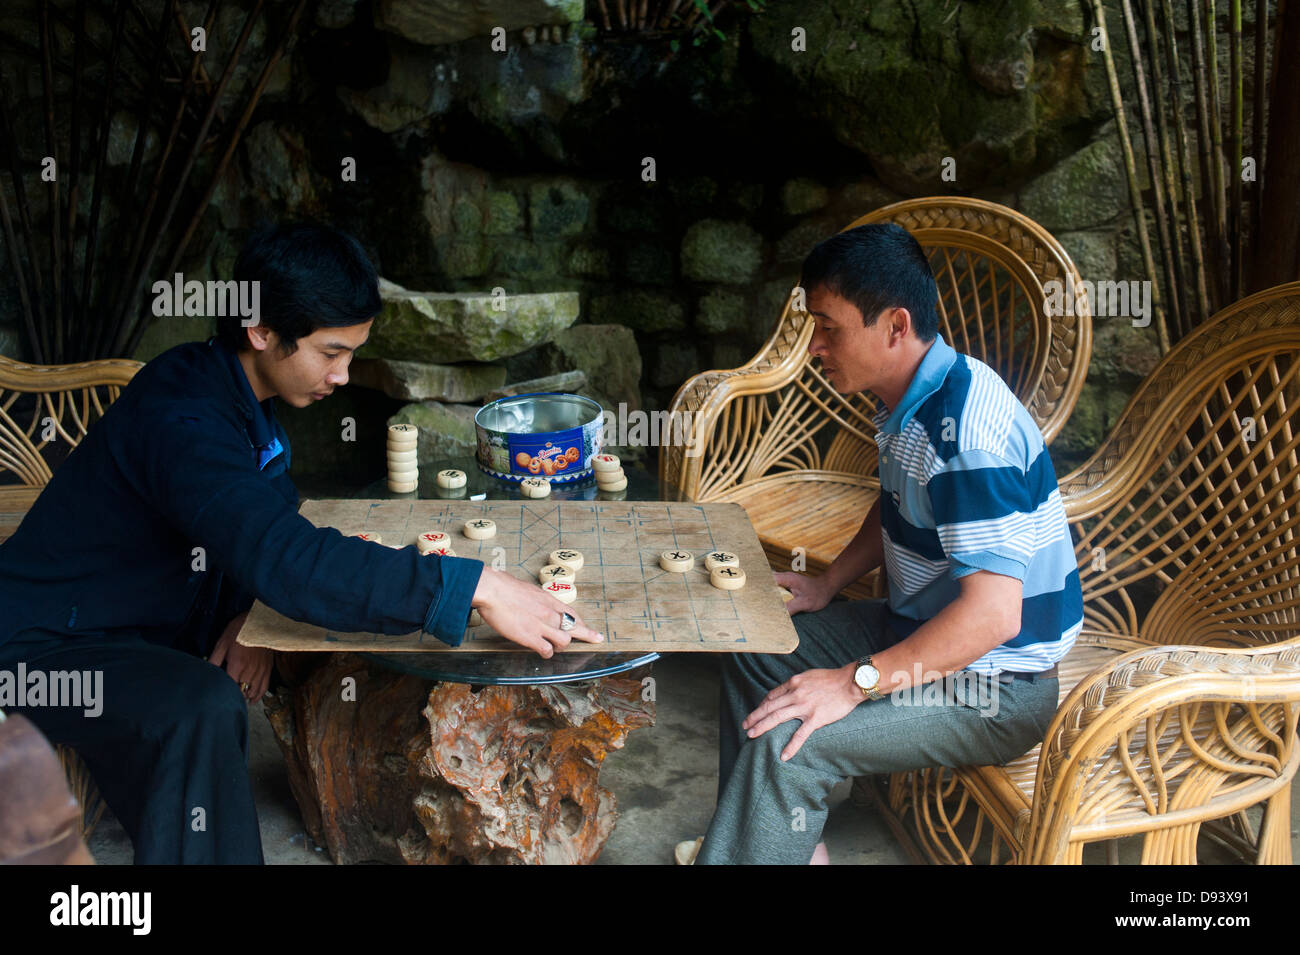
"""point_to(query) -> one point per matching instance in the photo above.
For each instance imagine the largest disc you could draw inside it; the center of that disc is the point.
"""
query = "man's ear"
(259, 337)
(900, 322)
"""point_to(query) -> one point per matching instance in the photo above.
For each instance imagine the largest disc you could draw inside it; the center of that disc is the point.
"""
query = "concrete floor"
(664, 779)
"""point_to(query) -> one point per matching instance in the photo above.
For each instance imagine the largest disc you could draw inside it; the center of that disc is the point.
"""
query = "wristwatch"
(867, 678)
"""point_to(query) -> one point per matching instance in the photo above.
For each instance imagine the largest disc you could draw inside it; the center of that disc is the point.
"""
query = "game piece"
(442, 550)
(555, 572)
(403, 477)
(403, 488)
(619, 485)
(402, 460)
(480, 529)
(677, 561)
(562, 590)
(451, 478)
(720, 558)
(535, 487)
(785, 594)
(727, 578)
(605, 462)
(474, 619)
(568, 558)
(426, 542)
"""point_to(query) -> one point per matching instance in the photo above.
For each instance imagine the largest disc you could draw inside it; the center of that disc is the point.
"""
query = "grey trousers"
(773, 812)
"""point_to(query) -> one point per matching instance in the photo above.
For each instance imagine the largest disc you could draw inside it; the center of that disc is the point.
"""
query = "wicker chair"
(45, 411)
(776, 436)
(1181, 696)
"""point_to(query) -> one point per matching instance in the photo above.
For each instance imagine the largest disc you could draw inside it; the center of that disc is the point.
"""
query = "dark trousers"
(168, 750)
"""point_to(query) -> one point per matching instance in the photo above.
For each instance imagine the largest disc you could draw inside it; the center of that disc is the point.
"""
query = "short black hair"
(312, 276)
(877, 267)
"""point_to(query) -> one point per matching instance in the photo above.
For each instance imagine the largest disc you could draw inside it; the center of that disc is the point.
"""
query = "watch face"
(866, 676)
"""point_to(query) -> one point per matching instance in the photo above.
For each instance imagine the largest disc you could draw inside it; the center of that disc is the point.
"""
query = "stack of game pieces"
(403, 472)
(724, 570)
(609, 472)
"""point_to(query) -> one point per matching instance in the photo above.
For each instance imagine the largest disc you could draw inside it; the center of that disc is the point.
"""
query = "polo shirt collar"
(929, 378)
(258, 415)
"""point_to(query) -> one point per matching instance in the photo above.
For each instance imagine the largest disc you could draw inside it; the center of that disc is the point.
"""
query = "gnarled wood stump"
(394, 768)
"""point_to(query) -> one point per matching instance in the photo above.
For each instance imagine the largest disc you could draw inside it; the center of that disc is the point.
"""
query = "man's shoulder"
(183, 382)
(975, 412)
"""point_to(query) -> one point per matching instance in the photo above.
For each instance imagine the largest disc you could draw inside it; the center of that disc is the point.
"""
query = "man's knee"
(204, 695)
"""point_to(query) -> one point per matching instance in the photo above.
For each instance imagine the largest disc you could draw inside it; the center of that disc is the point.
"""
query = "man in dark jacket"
(146, 550)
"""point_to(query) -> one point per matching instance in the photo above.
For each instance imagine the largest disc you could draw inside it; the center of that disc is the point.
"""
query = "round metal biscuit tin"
(551, 435)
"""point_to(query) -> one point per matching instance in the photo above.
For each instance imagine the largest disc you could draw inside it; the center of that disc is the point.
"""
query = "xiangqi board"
(622, 590)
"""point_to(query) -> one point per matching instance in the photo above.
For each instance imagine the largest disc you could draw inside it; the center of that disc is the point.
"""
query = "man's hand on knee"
(815, 697)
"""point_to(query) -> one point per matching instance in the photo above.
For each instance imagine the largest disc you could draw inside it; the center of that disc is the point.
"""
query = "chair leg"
(83, 789)
(1275, 830)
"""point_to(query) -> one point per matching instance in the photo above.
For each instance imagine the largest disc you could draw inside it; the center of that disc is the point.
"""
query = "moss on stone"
(718, 251)
(639, 309)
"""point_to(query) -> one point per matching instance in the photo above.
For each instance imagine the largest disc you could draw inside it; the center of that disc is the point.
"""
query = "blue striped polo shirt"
(967, 484)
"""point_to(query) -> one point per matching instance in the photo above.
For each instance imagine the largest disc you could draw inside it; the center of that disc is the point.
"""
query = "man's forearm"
(960, 633)
(862, 555)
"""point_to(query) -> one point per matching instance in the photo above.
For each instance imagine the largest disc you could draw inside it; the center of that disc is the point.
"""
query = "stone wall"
(525, 170)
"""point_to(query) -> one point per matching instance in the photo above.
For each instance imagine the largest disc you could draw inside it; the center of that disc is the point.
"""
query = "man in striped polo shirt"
(958, 666)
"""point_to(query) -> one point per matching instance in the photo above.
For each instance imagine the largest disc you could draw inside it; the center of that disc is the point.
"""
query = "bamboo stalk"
(133, 178)
(233, 142)
(1167, 163)
(127, 273)
(39, 341)
(15, 262)
(1149, 138)
(71, 305)
(121, 320)
(101, 163)
(1257, 126)
(52, 195)
(604, 14)
(1216, 141)
(1214, 237)
(1185, 165)
(1234, 54)
(1130, 169)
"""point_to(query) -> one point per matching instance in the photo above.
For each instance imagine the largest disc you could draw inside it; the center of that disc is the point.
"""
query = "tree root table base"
(388, 767)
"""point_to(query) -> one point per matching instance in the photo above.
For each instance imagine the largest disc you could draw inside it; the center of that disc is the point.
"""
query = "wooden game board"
(622, 591)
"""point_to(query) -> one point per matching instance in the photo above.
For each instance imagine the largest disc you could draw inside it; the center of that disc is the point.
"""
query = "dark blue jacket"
(186, 458)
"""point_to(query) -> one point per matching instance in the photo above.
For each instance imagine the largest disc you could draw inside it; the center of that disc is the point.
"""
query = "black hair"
(877, 267)
(312, 276)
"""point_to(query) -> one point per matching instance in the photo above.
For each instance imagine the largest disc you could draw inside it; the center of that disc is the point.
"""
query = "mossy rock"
(720, 311)
(443, 327)
(558, 208)
(1086, 189)
(446, 431)
(718, 251)
(640, 309)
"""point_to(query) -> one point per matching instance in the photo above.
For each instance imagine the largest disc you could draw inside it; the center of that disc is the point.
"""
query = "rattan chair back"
(1187, 516)
(777, 413)
(45, 411)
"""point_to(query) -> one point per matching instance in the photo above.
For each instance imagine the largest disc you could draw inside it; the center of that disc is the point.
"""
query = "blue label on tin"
(561, 451)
